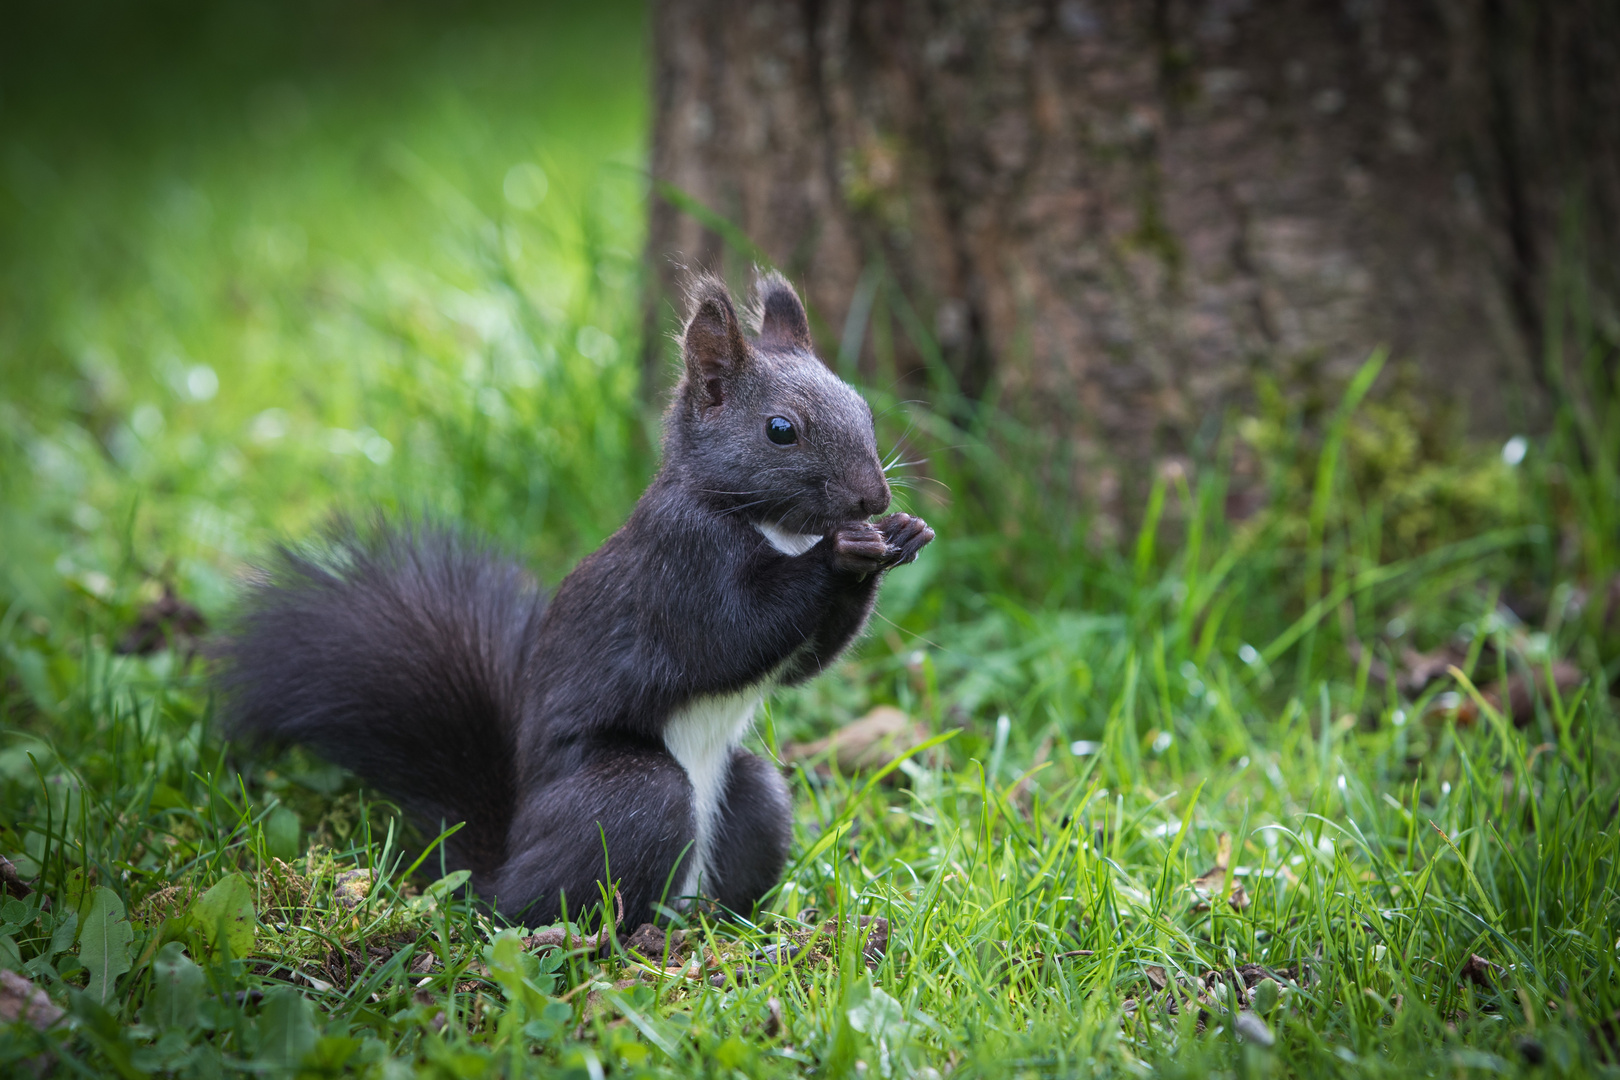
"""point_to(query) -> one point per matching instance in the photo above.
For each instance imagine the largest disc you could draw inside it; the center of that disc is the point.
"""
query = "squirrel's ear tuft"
(781, 315)
(713, 344)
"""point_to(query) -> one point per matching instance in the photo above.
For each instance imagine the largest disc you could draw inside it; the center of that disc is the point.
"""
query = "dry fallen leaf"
(1522, 690)
(1418, 669)
(866, 745)
(1207, 886)
(1479, 971)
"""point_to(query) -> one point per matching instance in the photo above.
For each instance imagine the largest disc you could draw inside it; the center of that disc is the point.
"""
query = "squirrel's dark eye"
(781, 431)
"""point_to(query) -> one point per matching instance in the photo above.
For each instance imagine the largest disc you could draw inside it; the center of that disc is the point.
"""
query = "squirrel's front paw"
(859, 547)
(905, 535)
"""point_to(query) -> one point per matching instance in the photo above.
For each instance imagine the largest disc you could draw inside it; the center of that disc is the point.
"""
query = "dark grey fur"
(436, 670)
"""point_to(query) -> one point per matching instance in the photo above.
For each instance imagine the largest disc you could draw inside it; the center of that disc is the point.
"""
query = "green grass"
(234, 303)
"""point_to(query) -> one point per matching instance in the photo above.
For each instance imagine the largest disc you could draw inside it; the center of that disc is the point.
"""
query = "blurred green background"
(258, 261)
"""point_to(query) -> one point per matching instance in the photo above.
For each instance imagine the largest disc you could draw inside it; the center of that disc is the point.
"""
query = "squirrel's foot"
(905, 535)
(859, 547)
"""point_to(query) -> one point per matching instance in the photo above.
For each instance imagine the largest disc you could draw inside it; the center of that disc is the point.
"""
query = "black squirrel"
(596, 738)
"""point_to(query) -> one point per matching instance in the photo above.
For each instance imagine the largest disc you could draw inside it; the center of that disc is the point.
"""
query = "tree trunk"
(1115, 211)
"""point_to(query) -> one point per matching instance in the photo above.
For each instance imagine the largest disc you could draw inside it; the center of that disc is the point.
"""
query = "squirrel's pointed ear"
(781, 315)
(713, 344)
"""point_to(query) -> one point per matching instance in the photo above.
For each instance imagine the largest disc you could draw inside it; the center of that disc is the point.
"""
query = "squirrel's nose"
(874, 496)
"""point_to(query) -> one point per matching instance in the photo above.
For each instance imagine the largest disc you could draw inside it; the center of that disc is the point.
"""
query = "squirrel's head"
(760, 425)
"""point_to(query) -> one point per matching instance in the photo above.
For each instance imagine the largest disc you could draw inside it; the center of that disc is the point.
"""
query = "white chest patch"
(788, 543)
(701, 737)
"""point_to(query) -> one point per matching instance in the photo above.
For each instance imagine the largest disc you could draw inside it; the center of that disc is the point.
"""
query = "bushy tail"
(398, 654)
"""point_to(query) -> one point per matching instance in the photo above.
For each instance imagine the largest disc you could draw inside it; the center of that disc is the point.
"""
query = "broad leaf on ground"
(224, 916)
(286, 1027)
(104, 942)
(177, 990)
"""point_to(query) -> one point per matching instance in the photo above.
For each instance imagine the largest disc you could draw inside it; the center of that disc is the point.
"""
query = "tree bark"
(1115, 212)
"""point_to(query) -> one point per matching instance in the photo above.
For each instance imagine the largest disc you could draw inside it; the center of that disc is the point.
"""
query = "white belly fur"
(701, 736)
(788, 543)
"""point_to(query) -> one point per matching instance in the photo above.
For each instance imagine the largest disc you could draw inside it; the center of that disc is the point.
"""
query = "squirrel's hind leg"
(624, 814)
(754, 834)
